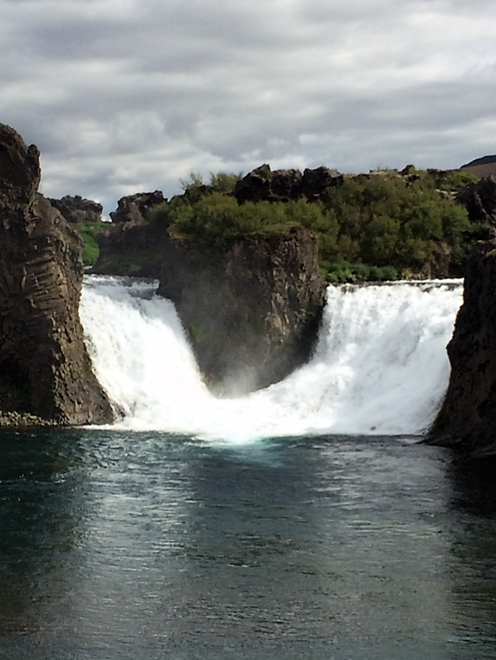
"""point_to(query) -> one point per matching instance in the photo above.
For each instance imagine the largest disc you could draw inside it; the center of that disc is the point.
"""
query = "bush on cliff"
(384, 222)
(89, 231)
(397, 224)
(216, 220)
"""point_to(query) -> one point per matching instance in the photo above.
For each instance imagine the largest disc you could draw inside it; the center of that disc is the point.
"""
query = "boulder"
(45, 369)
(252, 313)
(317, 181)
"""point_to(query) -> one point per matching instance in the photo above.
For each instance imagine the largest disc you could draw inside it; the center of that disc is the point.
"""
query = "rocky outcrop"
(134, 208)
(44, 366)
(480, 200)
(252, 313)
(285, 185)
(467, 418)
(77, 210)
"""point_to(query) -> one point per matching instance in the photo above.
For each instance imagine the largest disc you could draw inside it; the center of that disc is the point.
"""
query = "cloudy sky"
(124, 96)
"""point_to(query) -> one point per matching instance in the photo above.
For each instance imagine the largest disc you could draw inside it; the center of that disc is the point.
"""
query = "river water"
(148, 545)
(304, 521)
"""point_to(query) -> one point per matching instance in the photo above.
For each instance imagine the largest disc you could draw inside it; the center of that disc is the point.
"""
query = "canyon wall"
(44, 366)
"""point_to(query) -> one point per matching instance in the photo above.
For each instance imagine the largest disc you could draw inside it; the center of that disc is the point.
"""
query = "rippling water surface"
(146, 545)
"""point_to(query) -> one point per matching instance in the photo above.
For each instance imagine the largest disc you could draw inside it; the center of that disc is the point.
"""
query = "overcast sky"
(124, 96)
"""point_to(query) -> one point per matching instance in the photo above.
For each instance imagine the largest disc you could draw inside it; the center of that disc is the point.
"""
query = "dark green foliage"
(390, 221)
(216, 220)
(346, 272)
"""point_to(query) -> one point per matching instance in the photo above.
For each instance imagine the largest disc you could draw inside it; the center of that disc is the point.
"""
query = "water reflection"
(127, 546)
(473, 551)
(41, 514)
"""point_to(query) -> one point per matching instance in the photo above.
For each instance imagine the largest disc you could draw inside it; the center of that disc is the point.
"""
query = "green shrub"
(88, 232)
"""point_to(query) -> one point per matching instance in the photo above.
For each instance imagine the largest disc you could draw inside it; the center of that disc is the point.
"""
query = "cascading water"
(380, 366)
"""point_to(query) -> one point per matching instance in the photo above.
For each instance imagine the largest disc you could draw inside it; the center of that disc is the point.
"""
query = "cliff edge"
(44, 366)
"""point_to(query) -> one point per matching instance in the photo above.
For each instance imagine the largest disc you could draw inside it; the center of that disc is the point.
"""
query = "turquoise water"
(118, 545)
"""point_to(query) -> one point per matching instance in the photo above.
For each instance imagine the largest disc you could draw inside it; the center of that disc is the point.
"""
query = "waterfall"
(380, 366)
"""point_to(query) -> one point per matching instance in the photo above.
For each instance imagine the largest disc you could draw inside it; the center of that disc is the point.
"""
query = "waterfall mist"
(380, 366)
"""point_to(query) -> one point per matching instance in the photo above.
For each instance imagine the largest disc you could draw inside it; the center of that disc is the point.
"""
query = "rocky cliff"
(252, 313)
(467, 418)
(44, 366)
(76, 210)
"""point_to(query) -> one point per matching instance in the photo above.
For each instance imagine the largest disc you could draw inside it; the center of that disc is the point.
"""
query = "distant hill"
(481, 166)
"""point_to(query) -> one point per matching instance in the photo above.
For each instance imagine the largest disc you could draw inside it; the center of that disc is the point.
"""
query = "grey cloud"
(125, 95)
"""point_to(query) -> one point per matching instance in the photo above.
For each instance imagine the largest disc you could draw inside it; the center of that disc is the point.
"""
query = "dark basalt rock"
(317, 181)
(285, 185)
(134, 208)
(252, 313)
(130, 246)
(44, 366)
(77, 209)
(130, 249)
(480, 200)
(467, 418)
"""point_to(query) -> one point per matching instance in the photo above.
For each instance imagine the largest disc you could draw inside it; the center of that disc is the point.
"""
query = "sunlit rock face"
(468, 416)
(252, 313)
(44, 367)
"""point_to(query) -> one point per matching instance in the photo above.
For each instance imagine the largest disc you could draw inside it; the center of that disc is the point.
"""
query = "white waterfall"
(380, 366)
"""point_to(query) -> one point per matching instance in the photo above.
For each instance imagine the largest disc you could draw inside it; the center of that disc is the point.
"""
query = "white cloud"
(122, 95)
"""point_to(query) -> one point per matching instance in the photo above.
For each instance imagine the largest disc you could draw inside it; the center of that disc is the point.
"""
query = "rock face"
(130, 249)
(44, 366)
(467, 418)
(130, 246)
(77, 210)
(480, 200)
(252, 313)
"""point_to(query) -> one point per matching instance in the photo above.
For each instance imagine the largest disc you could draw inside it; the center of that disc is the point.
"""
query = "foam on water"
(380, 366)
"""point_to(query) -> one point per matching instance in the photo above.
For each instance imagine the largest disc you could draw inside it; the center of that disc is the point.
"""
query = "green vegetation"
(216, 220)
(375, 227)
(386, 222)
(222, 182)
(89, 232)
